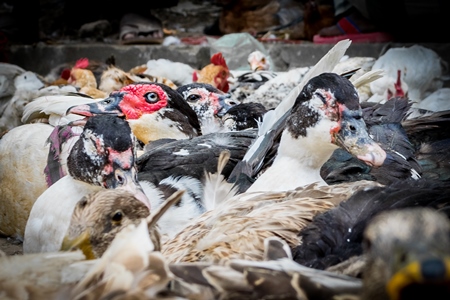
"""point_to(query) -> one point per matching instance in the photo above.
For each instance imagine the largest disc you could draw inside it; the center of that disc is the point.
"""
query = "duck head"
(207, 101)
(328, 111)
(408, 255)
(153, 111)
(98, 217)
(104, 155)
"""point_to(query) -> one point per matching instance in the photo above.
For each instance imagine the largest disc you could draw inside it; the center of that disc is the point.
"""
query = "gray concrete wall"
(41, 58)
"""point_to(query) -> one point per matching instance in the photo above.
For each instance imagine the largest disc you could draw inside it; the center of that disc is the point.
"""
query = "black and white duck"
(103, 157)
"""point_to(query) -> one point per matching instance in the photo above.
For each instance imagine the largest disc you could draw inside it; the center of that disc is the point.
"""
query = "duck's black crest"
(196, 85)
(115, 131)
(341, 87)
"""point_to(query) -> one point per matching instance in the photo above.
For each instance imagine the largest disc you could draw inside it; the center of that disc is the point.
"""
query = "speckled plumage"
(237, 227)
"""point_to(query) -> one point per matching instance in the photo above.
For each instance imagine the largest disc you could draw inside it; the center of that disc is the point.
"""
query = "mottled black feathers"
(343, 90)
(336, 235)
(102, 134)
(196, 85)
(193, 157)
(115, 131)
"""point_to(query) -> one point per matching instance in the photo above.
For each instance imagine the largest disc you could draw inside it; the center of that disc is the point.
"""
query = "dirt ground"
(10, 246)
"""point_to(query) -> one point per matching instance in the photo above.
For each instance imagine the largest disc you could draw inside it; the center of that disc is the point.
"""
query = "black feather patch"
(336, 235)
(101, 133)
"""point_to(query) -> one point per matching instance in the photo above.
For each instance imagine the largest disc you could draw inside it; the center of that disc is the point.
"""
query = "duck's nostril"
(120, 179)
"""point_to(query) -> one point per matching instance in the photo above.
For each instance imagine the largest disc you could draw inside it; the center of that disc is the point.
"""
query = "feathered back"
(336, 235)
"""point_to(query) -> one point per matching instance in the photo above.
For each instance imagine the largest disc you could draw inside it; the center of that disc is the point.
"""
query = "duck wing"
(194, 156)
(336, 235)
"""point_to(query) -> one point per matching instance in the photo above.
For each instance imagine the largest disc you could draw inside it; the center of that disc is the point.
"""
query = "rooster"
(216, 73)
(84, 79)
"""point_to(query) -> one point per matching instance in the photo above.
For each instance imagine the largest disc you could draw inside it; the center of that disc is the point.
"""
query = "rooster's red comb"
(82, 63)
(218, 60)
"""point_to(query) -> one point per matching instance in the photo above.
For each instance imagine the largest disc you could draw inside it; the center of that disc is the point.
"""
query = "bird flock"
(167, 182)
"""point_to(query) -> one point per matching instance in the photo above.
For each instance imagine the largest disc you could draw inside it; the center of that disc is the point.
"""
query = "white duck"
(26, 88)
(24, 151)
(103, 157)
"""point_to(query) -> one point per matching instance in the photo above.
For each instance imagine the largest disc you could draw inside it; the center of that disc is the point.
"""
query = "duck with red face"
(153, 110)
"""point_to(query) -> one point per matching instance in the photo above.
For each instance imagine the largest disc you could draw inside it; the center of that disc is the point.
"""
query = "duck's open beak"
(427, 278)
(352, 135)
(81, 242)
(108, 106)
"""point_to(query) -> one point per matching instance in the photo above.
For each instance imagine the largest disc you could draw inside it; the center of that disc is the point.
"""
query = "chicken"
(216, 73)
(416, 69)
(7, 74)
(258, 61)
(114, 78)
(85, 79)
(27, 86)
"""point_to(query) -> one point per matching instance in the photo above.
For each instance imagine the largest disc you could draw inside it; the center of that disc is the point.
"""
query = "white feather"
(54, 105)
(216, 188)
(179, 73)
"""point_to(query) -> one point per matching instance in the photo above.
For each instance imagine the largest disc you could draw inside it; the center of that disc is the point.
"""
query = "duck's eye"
(107, 101)
(83, 202)
(151, 97)
(117, 217)
(263, 60)
(193, 98)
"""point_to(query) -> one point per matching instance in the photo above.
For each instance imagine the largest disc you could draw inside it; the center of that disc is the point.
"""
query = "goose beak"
(352, 135)
(430, 277)
(108, 106)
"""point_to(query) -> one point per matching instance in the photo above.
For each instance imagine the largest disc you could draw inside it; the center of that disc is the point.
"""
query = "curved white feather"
(53, 105)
